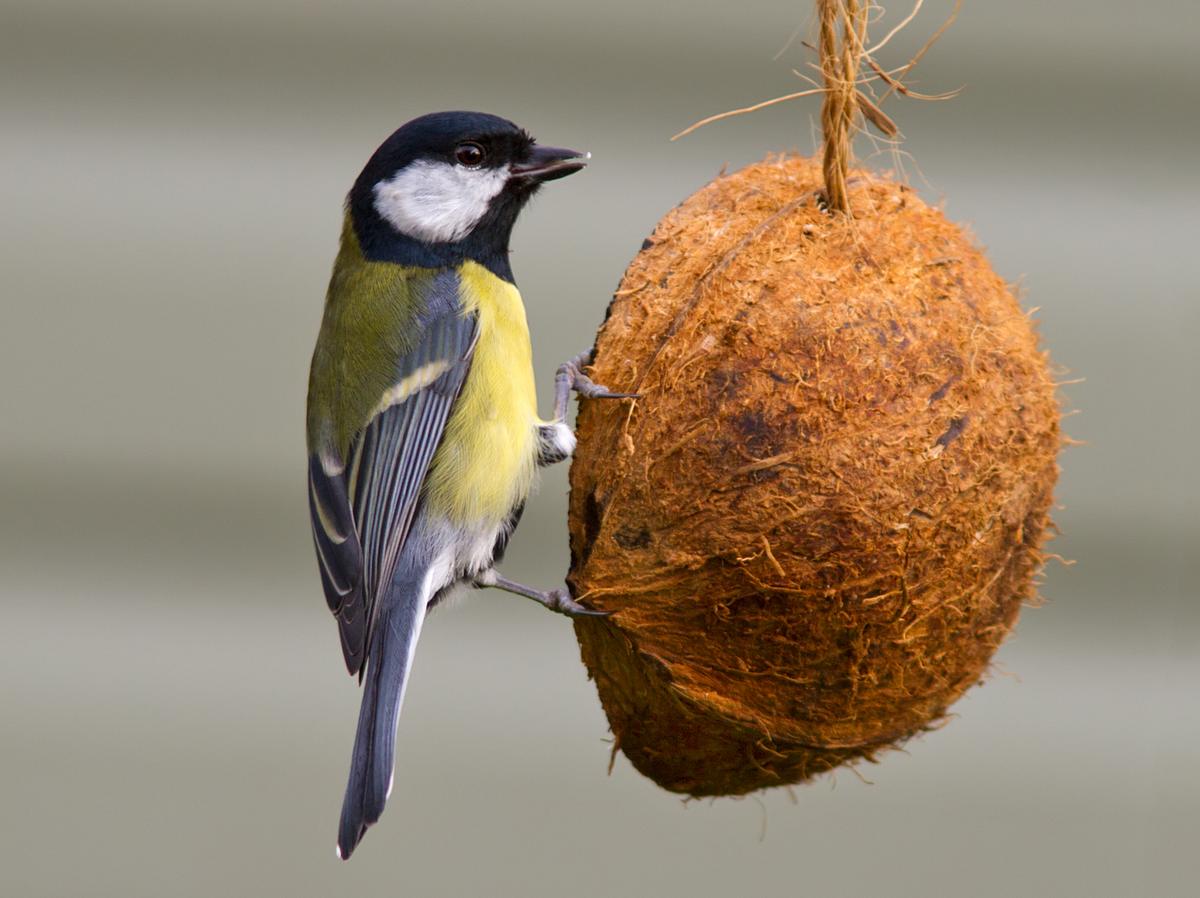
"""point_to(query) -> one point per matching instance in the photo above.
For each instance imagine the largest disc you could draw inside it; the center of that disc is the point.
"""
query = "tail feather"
(393, 644)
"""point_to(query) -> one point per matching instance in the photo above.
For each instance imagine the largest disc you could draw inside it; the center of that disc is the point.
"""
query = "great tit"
(423, 432)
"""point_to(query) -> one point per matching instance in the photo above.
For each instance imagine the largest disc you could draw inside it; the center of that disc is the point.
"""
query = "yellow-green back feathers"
(370, 312)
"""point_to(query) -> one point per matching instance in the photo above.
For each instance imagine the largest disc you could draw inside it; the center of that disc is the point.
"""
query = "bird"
(423, 433)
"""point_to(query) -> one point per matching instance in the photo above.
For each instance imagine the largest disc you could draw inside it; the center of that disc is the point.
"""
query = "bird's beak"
(548, 163)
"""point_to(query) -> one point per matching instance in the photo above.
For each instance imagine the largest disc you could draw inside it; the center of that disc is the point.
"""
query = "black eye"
(469, 154)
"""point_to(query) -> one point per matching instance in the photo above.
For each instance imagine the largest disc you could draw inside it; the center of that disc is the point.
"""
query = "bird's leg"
(555, 599)
(556, 439)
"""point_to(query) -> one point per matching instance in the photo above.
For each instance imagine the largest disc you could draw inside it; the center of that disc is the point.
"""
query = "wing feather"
(362, 512)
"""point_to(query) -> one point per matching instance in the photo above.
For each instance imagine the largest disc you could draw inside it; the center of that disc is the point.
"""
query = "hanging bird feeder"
(821, 517)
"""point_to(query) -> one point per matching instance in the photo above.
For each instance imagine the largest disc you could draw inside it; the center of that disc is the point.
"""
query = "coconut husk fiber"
(822, 516)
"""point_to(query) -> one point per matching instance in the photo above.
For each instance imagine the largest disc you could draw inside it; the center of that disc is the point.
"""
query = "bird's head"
(453, 178)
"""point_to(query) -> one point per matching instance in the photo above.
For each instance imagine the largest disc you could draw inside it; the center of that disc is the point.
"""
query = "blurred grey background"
(176, 719)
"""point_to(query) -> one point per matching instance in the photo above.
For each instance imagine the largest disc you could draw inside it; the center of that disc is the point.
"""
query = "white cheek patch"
(438, 202)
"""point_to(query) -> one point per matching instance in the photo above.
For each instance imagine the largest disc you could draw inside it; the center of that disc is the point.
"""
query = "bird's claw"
(560, 600)
(588, 389)
(571, 373)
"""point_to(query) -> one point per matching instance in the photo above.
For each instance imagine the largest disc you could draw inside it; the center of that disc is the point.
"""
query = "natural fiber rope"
(839, 69)
(845, 98)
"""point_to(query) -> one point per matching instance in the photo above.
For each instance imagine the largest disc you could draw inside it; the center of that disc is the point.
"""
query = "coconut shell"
(822, 516)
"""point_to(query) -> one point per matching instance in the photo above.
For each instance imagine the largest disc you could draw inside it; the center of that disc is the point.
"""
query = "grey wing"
(339, 553)
(361, 514)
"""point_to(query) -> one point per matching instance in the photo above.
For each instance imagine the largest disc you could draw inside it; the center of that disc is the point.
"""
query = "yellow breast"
(486, 462)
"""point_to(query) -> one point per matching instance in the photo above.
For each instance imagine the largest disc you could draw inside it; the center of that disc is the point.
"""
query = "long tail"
(393, 644)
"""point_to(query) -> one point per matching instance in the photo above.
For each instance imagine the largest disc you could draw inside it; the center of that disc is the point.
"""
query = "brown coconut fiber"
(823, 515)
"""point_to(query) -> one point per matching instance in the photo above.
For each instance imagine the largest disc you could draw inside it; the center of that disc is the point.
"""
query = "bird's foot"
(558, 600)
(570, 377)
